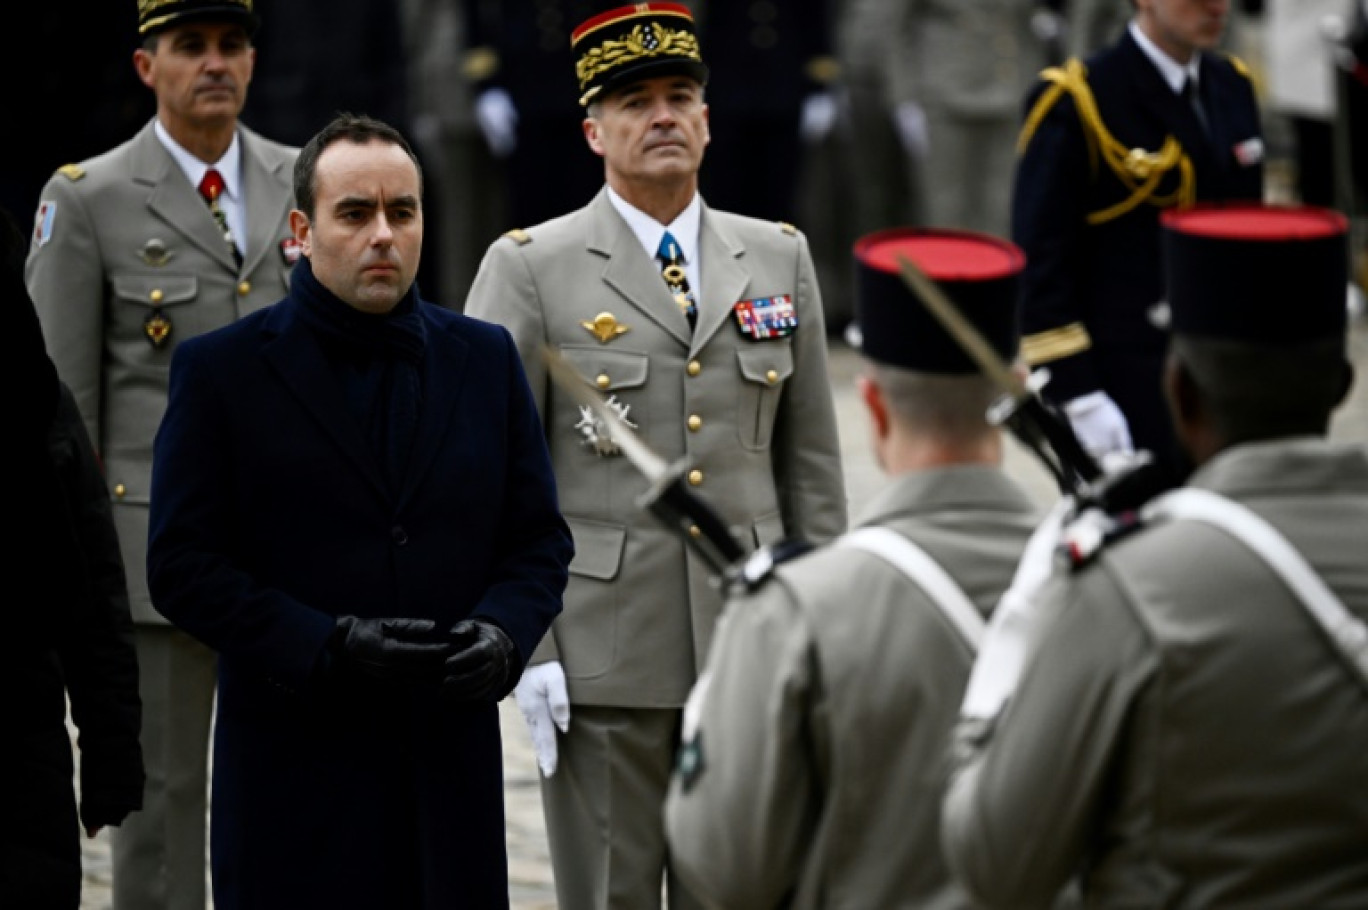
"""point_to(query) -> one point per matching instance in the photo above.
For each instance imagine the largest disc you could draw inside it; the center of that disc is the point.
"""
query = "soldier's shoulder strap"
(1140, 170)
(1346, 632)
(759, 567)
(518, 236)
(925, 573)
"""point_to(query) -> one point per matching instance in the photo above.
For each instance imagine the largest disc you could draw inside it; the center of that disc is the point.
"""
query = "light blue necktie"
(672, 270)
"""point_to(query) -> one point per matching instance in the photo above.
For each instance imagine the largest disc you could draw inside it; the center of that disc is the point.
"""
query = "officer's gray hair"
(951, 407)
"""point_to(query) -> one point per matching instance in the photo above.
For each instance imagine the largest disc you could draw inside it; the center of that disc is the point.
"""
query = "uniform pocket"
(765, 366)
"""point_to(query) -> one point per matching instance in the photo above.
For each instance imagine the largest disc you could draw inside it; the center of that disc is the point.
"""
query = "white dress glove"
(1099, 424)
(545, 706)
(1015, 621)
(910, 120)
(498, 121)
(819, 116)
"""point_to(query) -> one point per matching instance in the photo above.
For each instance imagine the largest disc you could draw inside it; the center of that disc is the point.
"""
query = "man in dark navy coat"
(353, 505)
(1154, 122)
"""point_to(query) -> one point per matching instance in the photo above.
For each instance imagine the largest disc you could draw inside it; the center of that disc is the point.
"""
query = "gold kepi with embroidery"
(155, 15)
(635, 42)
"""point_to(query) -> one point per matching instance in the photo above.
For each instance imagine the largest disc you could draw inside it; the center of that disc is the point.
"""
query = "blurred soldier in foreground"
(814, 758)
(69, 637)
(1191, 723)
(705, 331)
(180, 230)
(1154, 122)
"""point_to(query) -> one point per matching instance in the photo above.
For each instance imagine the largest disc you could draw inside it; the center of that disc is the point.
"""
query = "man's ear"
(591, 135)
(142, 65)
(875, 405)
(299, 226)
(1181, 392)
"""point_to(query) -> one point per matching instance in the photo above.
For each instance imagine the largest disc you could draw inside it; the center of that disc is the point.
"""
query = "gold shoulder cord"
(1139, 170)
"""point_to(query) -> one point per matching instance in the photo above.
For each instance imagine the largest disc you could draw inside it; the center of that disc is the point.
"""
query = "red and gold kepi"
(631, 43)
(155, 15)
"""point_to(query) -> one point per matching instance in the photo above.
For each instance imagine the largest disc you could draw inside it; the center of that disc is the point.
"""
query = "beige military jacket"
(825, 710)
(132, 249)
(1184, 735)
(755, 418)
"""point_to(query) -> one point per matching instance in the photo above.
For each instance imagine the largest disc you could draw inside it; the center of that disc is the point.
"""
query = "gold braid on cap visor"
(649, 40)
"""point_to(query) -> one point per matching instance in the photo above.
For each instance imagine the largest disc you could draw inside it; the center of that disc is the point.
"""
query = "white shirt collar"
(684, 228)
(1174, 73)
(230, 165)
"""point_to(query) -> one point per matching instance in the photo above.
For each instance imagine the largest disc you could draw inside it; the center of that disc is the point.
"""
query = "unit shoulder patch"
(72, 172)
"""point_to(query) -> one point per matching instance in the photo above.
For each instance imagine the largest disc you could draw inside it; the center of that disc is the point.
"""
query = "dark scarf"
(379, 359)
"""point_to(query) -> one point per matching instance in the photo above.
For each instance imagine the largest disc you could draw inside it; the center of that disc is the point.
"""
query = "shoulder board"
(787, 228)
(760, 566)
(72, 172)
(1240, 66)
(480, 63)
(822, 70)
(519, 236)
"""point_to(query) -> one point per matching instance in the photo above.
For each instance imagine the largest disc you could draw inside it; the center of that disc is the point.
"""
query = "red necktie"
(211, 187)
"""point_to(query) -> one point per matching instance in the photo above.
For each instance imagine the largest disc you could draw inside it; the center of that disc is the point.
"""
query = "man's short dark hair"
(354, 128)
(1259, 392)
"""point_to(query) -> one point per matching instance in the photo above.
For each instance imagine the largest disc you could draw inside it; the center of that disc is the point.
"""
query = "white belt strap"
(1346, 632)
(913, 562)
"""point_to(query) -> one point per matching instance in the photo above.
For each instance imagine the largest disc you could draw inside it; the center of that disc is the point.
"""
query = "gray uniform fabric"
(1184, 736)
(640, 606)
(130, 236)
(826, 708)
(968, 63)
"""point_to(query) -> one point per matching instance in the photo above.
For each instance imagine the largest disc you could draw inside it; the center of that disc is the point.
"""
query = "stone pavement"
(529, 869)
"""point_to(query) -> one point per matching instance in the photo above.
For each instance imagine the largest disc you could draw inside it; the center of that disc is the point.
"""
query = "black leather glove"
(479, 668)
(394, 649)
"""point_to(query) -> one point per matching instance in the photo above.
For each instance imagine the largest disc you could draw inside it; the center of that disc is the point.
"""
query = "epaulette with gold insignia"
(1240, 67)
(72, 172)
(519, 236)
(1140, 170)
(787, 228)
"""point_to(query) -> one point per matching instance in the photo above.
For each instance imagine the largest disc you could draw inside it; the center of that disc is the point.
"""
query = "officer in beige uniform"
(128, 259)
(957, 74)
(813, 774)
(1187, 731)
(716, 353)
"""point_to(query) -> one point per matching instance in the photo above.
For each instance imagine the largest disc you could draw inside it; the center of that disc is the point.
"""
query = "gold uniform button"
(694, 368)
(695, 422)
(694, 532)
(120, 491)
(772, 377)
(244, 288)
(695, 477)
(156, 296)
(602, 381)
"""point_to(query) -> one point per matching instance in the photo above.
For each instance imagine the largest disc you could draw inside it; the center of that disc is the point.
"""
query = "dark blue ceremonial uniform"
(1092, 292)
